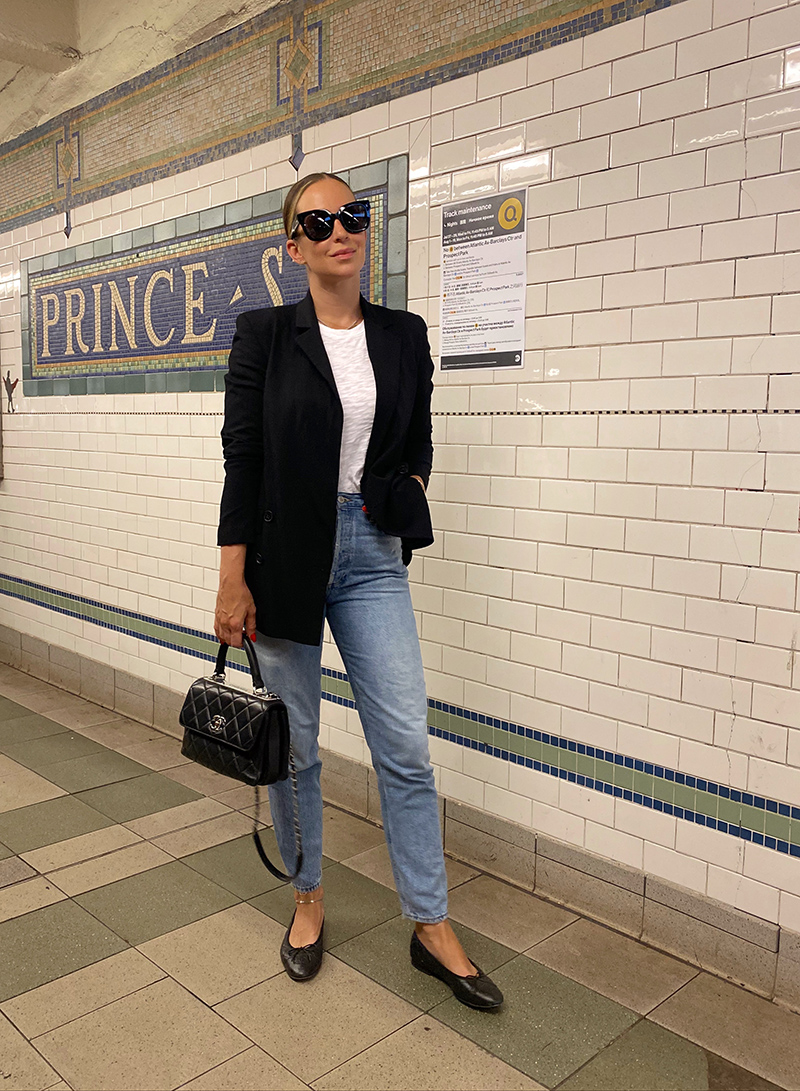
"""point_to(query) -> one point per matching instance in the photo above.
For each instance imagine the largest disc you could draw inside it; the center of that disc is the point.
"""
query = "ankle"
(310, 897)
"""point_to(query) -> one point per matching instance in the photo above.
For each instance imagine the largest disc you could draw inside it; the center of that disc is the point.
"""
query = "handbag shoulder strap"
(298, 838)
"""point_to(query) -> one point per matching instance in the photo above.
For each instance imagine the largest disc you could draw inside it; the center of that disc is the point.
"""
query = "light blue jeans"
(369, 610)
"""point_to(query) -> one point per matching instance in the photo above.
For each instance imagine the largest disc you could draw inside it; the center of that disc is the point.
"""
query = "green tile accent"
(38, 754)
(47, 823)
(604, 770)
(728, 811)
(49, 943)
(663, 790)
(236, 867)
(753, 818)
(138, 797)
(623, 778)
(105, 767)
(144, 906)
(684, 797)
(645, 1056)
(586, 766)
(775, 825)
(28, 725)
(643, 782)
(552, 1027)
(382, 954)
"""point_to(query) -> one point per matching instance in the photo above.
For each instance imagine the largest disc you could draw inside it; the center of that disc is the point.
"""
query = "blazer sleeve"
(419, 444)
(242, 436)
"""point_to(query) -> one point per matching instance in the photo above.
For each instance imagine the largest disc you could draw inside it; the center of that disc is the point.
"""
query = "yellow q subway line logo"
(510, 213)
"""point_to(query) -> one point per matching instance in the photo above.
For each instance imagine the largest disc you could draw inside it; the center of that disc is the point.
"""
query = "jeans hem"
(424, 920)
(308, 889)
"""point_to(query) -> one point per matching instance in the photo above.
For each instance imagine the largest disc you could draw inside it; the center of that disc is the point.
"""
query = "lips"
(343, 253)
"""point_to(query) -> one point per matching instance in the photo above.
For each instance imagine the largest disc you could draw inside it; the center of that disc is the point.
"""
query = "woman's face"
(340, 256)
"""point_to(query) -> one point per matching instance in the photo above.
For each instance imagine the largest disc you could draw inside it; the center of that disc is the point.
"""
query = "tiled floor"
(139, 943)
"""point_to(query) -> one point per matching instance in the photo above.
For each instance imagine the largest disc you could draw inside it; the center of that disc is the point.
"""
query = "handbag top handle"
(247, 644)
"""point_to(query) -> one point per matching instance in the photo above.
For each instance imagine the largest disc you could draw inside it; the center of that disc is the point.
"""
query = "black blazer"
(281, 440)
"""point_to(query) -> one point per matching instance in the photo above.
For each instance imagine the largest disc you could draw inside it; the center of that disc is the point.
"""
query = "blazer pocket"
(409, 511)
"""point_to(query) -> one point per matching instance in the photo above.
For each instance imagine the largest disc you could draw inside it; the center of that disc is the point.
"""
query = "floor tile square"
(176, 818)
(162, 753)
(345, 835)
(25, 727)
(650, 1057)
(548, 1026)
(105, 1048)
(236, 866)
(745, 1029)
(252, 1070)
(5, 852)
(144, 906)
(137, 797)
(383, 954)
(14, 870)
(21, 787)
(94, 770)
(39, 753)
(49, 943)
(49, 823)
(221, 955)
(425, 1056)
(341, 1013)
(102, 870)
(77, 849)
(618, 967)
(375, 864)
(353, 904)
(202, 780)
(80, 992)
(27, 896)
(510, 916)
(10, 710)
(204, 835)
(21, 1067)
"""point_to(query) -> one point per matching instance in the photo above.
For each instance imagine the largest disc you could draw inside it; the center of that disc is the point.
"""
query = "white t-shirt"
(355, 382)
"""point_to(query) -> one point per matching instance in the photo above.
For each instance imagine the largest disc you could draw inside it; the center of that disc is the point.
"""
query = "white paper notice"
(483, 282)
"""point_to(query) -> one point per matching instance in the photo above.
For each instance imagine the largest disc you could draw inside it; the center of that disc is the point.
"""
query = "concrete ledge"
(722, 917)
(716, 937)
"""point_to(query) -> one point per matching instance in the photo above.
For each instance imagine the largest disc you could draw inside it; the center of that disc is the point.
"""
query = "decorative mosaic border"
(388, 278)
(750, 817)
(298, 40)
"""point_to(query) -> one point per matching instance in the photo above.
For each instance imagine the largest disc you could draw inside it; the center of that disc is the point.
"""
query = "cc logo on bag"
(217, 724)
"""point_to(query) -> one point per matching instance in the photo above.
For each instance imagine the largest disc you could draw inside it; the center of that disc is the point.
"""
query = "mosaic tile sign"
(173, 305)
(296, 65)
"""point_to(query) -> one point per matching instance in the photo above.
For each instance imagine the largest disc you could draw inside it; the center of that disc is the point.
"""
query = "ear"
(293, 250)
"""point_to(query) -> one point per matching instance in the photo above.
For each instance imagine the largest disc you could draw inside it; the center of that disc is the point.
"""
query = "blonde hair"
(297, 191)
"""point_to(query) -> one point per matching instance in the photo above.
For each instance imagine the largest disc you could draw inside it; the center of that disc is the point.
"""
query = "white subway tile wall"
(618, 547)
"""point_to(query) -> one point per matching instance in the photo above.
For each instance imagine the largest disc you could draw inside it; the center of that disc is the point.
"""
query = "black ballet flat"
(476, 990)
(302, 963)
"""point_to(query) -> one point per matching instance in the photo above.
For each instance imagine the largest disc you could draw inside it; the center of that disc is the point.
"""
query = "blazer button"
(268, 517)
(259, 559)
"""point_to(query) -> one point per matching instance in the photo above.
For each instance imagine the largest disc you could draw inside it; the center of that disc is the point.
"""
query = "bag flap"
(224, 715)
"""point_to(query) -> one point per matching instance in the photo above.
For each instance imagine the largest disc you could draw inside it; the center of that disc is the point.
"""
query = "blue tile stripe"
(745, 815)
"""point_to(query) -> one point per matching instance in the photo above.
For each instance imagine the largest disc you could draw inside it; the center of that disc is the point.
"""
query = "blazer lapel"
(310, 341)
(385, 352)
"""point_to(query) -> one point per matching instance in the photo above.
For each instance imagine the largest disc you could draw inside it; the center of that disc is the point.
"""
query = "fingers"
(250, 621)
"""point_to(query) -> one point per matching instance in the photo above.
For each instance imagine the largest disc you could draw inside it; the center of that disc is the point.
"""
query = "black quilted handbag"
(242, 735)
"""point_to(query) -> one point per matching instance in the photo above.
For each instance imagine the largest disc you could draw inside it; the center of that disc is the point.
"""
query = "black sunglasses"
(317, 223)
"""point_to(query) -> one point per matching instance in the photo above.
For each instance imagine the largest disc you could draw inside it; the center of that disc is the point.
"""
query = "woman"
(327, 442)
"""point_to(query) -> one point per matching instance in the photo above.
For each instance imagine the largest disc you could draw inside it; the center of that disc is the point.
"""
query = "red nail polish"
(253, 637)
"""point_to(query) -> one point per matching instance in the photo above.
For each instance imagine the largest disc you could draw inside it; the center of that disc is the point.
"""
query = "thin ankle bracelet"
(308, 901)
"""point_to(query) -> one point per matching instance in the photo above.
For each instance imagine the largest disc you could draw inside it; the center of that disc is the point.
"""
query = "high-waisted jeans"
(369, 610)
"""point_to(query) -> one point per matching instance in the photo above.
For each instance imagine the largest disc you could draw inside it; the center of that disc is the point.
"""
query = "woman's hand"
(235, 610)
